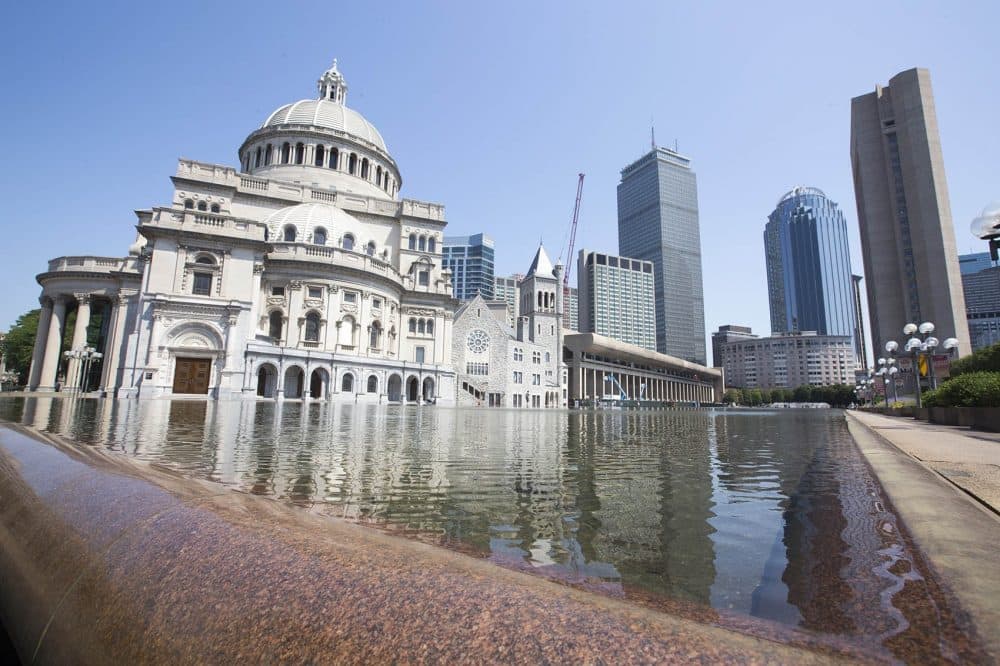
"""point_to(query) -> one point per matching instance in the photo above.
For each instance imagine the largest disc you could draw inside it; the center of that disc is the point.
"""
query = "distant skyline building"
(571, 309)
(907, 236)
(658, 222)
(617, 298)
(981, 289)
(788, 360)
(506, 289)
(470, 260)
(726, 334)
(860, 337)
(808, 261)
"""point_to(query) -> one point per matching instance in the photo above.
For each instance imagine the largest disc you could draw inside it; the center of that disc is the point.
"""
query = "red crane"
(572, 232)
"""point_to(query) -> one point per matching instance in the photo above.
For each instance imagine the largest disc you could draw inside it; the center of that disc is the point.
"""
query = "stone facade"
(302, 275)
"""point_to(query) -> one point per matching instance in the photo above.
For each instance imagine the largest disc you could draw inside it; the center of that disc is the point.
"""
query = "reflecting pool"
(720, 515)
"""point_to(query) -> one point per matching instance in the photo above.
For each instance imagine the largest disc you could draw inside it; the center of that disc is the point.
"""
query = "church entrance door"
(191, 375)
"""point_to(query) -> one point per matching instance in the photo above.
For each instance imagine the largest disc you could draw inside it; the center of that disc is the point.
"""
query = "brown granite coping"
(104, 559)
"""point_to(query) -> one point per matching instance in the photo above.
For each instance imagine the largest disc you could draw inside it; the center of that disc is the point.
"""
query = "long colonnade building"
(302, 274)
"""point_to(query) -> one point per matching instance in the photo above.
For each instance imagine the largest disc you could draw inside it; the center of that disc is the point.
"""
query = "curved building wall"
(809, 265)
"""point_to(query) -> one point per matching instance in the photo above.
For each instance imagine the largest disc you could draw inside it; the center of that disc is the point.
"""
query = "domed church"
(303, 274)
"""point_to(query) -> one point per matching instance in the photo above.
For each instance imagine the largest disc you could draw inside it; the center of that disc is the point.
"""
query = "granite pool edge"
(107, 559)
(956, 535)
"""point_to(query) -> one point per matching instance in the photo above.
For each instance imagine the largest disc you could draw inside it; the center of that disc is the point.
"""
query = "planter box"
(979, 418)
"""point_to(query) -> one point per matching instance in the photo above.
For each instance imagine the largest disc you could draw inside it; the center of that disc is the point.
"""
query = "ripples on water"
(770, 515)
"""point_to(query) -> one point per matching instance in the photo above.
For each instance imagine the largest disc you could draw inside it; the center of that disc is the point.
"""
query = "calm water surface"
(765, 514)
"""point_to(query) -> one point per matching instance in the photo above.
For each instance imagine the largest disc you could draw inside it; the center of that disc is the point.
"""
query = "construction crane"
(572, 234)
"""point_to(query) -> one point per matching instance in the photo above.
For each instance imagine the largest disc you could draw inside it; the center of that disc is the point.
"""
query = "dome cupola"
(323, 143)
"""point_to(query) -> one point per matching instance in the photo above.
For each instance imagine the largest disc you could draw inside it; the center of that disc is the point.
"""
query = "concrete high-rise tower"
(658, 222)
(809, 265)
(907, 237)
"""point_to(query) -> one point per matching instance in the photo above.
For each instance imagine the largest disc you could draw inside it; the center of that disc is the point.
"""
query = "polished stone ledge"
(104, 559)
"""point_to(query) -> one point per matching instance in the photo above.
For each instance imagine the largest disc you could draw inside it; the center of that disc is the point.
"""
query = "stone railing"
(85, 264)
(335, 256)
(205, 223)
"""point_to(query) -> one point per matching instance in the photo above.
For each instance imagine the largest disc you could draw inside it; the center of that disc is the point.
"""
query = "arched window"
(215, 208)
(334, 158)
(352, 164)
(256, 159)
(319, 236)
(375, 335)
(378, 175)
(372, 384)
(288, 235)
(413, 325)
(268, 154)
(430, 327)
(300, 153)
(423, 243)
(364, 168)
(205, 259)
(320, 156)
(348, 242)
(548, 357)
(421, 326)
(539, 299)
(202, 205)
(370, 249)
(274, 324)
(413, 242)
(431, 245)
(286, 153)
(312, 327)
(189, 203)
(347, 383)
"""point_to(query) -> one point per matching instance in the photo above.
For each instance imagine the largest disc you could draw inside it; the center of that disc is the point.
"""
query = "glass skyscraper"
(658, 222)
(470, 260)
(809, 281)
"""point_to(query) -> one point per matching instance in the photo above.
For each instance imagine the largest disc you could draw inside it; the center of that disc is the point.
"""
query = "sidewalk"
(969, 459)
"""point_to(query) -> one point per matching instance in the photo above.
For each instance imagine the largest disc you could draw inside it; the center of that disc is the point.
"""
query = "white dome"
(308, 217)
(326, 114)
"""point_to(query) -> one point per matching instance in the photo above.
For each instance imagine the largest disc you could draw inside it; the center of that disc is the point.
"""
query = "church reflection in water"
(766, 514)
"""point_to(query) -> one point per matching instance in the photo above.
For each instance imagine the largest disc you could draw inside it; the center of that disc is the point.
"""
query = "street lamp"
(925, 347)
(85, 357)
(987, 228)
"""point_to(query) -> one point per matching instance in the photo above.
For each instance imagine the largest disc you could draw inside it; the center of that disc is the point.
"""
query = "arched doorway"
(412, 389)
(317, 384)
(267, 380)
(293, 382)
(394, 388)
(428, 389)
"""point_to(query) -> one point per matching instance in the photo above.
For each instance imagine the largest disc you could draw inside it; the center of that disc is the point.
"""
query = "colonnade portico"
(601, 367)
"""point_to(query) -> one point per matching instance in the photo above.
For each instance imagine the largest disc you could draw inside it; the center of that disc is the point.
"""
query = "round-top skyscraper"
(809, 265)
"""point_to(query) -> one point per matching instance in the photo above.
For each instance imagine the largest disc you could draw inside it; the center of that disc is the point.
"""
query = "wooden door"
(191, 375)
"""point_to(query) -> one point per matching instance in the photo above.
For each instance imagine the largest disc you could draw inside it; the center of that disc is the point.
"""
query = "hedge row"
(971, 389)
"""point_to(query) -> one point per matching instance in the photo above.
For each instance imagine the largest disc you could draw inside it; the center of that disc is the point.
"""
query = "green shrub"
(986, 359)
(972, 389)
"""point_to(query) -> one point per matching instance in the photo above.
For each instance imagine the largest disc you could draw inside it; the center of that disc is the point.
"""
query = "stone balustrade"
(85, 264)
(206, 223)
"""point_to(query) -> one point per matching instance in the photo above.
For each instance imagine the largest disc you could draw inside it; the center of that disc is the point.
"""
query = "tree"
(803, 393)
(753, 397)
(766, 396)
(20, 344)
(731, 396)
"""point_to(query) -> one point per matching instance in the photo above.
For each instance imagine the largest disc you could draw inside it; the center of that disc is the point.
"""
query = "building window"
(319, 236)
(202, 206)
(364, 168)
(277, 291)
(479, 369)
(370, 249)
(430, 327)
(431, 245)
(424, 278)
(536, 357)
(312, 327)
(375, 336)
(352, 164)
(268, 154)
(413, 325)
(536, 379)
(289, 234)
(348, 242)
(202, 284)
(286, 153)
(418, 354)
(334, 158)
(376, 303)
(300, 153)
(275, 321)
(422, 243)
(215, 208)
(256, 161)
(320, 156)
(315, 292)
(420, 326)
(189, 203)
(548, 357)
(350, 297)
(372, 384)
(412, 244)
(518, 377)
(347, 383)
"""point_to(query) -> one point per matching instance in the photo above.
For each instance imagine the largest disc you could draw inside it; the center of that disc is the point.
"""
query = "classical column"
(73, 378)
(38, 354)
(53, 345)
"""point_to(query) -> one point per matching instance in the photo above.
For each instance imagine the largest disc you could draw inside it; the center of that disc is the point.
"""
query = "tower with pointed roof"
(541, 308)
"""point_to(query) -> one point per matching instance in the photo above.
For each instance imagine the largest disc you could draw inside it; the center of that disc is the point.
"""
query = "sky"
(491, 109)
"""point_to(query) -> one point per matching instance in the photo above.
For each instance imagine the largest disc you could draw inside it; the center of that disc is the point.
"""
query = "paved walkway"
(970, 459)
(955, 525)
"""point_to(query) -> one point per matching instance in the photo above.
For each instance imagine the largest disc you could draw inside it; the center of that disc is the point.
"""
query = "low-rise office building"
(788, 360)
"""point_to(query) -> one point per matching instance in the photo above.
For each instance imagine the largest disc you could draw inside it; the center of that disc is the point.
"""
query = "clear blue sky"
(489, 108)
